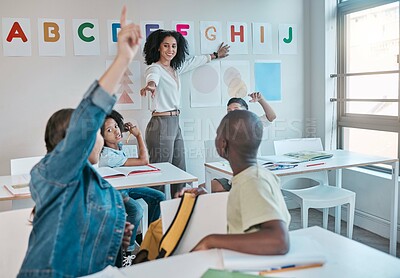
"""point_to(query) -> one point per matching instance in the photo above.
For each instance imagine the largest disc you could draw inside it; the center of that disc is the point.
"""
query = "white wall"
(32, 88)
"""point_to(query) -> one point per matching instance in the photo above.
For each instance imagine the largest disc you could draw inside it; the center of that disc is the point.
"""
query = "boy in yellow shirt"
(258, 218)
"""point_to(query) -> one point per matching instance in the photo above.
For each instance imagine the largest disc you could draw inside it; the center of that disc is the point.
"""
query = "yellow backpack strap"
(173, 235)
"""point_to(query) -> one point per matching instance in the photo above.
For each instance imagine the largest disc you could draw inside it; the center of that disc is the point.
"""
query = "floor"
(359, 234)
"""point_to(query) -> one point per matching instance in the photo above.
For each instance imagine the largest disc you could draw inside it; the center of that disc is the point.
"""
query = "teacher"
(165, 54)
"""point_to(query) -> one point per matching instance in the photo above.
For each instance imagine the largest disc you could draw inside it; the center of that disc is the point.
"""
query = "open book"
(18, 189)
(303, 252)
(276, 159)
(304, 156)
(117, 172)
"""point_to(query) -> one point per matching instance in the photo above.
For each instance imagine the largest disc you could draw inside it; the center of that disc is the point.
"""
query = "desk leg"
(338, 209)
(208, 180)
(395, 207)
(167, 191)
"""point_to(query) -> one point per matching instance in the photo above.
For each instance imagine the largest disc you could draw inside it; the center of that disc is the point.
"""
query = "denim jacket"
(80, 219)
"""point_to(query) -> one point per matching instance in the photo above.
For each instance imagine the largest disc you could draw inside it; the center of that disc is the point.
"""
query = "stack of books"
(304, 156)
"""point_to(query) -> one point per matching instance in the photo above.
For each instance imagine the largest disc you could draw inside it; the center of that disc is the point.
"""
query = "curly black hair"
(117, 117)
(151, 51)
(239, 101)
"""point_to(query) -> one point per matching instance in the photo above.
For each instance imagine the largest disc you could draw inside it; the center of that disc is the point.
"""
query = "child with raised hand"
(257, 215)
(240, 104)
(79, 221)
(223, 184)
(113, 155)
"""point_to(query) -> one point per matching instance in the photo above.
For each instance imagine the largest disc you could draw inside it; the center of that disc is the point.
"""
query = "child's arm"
(143, 158)
(272, 239)
(85, 122)
(128, 45)
(269, 112)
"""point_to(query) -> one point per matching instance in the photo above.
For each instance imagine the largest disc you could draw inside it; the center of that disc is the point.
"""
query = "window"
(368, 76)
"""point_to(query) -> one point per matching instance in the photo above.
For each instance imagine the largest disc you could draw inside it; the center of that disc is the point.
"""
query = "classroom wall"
(34, 87)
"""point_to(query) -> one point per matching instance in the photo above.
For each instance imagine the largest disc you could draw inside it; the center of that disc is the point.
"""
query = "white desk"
(341, 159)
(169, 174)
(344, 258)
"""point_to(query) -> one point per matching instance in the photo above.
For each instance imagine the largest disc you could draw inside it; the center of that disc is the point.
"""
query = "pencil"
(289, 268)
(129, 136)
(315, 164)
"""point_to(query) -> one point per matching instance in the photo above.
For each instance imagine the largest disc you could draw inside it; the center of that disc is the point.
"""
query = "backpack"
(155, 245)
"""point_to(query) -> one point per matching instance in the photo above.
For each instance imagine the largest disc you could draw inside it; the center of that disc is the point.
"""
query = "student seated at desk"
(223, 184)
(257, 215)
(113, 155)
(79, 220)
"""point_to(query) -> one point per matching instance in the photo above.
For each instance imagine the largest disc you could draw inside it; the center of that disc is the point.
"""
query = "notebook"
(305, 156)
(303, 251)
(117, 172)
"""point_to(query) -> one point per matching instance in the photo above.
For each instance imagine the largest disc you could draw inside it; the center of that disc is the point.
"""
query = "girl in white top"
(165, 53)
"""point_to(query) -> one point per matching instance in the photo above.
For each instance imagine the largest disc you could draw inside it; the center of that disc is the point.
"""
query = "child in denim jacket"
(79, 219)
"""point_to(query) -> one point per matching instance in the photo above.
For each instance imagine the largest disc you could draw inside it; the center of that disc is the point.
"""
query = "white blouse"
(168, 91)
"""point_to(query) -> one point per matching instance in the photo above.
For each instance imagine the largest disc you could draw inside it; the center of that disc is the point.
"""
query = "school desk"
(341, 159)
(169, 174)
(344, 258)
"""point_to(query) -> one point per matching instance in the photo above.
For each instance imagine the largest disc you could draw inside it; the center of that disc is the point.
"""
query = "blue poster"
(267, 77)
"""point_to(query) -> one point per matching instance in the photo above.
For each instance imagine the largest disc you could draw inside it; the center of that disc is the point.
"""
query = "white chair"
(208, 217)
(14, 237)
(144, 224)
(21, 166)
(322, 195)
(210, 152)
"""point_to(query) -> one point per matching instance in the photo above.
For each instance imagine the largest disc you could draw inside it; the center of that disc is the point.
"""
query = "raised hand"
(255, 96)
(128, 37)
(128, 45)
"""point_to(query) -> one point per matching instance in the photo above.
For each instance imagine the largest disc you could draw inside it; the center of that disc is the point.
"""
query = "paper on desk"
(277, 159)
(108, 272)
(303, 251)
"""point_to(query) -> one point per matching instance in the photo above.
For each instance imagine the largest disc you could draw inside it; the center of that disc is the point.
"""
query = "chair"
(21, 166)
(14, 239)
(144, 224)
(208, 217)
(321, 195)
(210, 152)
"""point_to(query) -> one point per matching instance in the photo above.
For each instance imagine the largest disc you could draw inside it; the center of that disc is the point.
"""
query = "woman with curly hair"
(165, 54)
